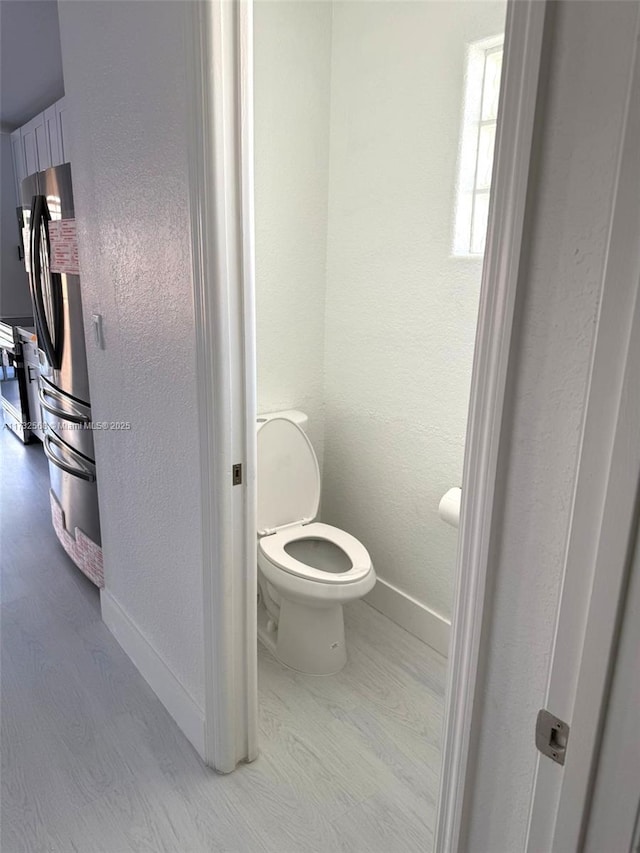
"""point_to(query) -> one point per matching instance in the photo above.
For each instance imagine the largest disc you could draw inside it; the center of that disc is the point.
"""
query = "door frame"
(524, 43)
(219, 35)
(602, 519)
(218, 38)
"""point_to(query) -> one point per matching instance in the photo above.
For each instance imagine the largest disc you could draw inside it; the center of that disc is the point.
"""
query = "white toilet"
(306, 570)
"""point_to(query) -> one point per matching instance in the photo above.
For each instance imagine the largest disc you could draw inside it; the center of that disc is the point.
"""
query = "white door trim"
(602, 516)
(221, 214)
(521, 71)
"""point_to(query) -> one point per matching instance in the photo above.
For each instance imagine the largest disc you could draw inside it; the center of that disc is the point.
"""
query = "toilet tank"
(295, 415)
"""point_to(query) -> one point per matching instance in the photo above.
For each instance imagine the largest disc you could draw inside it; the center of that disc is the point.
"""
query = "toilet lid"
(288, 476)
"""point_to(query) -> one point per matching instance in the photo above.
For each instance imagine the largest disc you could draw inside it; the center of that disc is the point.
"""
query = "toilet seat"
(288, 477)
(273, 548)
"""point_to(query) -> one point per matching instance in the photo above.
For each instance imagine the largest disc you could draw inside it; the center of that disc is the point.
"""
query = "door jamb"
(524, 34)
(220, 166)
(605, 496)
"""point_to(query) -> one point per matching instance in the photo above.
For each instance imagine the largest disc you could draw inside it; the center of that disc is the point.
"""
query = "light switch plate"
(97, 330)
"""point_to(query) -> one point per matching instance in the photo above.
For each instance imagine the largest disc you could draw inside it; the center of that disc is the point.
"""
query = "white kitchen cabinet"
(30, 145)
(19, 166)
(52, 130)
(62, 116)
(40, 143)
(37, 155)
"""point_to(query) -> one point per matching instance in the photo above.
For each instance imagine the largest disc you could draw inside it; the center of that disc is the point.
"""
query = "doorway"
(236, 348)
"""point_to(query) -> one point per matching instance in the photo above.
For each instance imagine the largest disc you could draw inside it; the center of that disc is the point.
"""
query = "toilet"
(306, 570)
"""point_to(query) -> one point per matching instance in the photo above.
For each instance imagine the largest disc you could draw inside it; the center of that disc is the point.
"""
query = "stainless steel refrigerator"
(52, 263)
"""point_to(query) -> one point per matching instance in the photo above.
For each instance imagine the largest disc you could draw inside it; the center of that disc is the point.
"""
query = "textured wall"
(292, 77)
(124, 69)
(401, 312)
(15, 300)
(571, 208)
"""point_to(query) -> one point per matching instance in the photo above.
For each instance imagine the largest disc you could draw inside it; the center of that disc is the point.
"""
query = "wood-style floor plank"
(92, 762)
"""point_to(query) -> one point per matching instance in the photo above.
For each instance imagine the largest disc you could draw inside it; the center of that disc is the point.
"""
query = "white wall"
(580, 132)
(365, 319)
(125, 83)
(401, 312)
(15, 300)
(292, 79)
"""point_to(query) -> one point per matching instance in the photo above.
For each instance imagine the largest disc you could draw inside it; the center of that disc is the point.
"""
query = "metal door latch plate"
(552, 735)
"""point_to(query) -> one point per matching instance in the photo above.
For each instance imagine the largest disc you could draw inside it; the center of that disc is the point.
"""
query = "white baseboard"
(414, 617)
(182, 707)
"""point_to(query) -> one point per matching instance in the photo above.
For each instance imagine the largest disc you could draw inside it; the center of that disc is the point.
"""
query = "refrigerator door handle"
(75, 417)
(34, 275)
(39, 217)
(44, 336)
(80, 470)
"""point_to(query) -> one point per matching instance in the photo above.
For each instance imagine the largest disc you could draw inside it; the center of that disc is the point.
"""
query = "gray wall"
(30, 61)
(125, 82)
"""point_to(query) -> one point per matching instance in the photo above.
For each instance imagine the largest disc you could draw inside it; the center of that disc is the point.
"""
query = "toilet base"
(308, 639)
(265, 636)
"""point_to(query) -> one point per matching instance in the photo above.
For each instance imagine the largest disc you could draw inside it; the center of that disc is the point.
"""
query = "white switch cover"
(97, 330)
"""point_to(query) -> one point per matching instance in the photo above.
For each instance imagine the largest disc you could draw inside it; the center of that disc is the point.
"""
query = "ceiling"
(30, 59)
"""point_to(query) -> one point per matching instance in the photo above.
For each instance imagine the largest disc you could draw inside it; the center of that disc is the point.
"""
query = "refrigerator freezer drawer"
(67, 418)
(73, 482)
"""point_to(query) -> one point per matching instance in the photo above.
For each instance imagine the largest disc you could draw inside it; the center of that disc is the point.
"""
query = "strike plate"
(552, 735)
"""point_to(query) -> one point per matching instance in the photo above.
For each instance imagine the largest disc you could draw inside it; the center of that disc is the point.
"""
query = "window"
(482, 93)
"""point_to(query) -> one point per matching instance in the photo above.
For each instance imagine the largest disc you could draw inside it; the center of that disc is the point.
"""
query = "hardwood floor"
(91, 761)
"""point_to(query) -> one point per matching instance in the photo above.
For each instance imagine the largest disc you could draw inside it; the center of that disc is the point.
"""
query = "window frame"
(467, 190)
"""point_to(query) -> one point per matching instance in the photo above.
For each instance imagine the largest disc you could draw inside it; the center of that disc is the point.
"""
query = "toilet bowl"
(307, 570)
